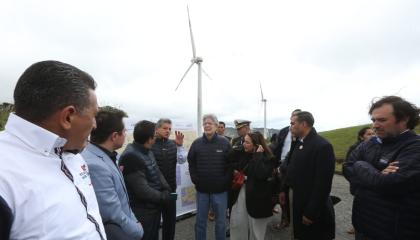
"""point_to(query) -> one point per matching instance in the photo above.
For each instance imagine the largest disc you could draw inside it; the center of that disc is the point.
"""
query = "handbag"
(238, 179)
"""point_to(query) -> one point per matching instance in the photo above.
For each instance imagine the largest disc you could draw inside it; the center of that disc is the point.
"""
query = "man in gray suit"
(110, 190)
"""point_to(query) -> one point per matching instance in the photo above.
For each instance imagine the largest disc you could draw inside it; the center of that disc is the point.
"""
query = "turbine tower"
(264, 101)
(195, 60)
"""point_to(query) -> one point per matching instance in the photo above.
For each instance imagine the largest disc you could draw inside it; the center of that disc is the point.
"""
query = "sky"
(331, 58)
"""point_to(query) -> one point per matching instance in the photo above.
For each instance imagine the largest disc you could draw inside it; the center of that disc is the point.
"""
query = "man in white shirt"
(44, 182)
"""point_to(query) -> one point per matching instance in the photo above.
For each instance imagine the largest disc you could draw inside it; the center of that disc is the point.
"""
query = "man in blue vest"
(147, 189)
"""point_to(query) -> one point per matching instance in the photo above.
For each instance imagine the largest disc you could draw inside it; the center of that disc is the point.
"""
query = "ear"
(403, 123)
(114, 136)
(66, 117)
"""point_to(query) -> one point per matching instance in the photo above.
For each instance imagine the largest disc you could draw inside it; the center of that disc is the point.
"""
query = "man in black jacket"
(211, 175)
(309, 178)
(147, 189)
(168, 153)
(385, 173)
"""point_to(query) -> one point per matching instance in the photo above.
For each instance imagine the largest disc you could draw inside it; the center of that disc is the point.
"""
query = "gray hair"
(163, 121)
(305, 117)
(212, 117)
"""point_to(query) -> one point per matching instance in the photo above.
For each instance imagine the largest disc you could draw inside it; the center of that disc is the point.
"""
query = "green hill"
(343, 138)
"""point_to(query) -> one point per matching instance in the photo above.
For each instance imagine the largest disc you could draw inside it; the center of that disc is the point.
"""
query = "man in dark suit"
(221, 130)
(110, 190)
(309, 178)
(281, 148)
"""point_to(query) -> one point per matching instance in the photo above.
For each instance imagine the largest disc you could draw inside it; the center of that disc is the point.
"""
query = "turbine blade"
(191, 33)
(205, 73)
(262, 95)
(184, 75)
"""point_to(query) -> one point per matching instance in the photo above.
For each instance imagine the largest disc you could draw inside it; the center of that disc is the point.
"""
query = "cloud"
(328, 57)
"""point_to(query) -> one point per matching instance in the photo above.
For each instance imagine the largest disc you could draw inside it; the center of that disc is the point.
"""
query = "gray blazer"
(111, 192)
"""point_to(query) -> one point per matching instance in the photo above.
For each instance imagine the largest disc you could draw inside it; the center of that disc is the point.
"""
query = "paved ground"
(185, 228)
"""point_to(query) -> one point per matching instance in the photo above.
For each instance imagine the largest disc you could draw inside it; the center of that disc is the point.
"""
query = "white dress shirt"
(286, 146)
(44, 201)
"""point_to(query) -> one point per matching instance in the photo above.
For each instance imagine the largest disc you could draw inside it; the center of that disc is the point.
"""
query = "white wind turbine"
(195, 60)
(265, 111)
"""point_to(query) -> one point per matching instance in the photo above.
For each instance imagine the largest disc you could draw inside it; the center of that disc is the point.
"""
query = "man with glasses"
(211, 175)
(101, 157)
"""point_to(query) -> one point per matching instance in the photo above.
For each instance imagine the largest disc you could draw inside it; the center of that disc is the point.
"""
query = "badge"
(301, 147)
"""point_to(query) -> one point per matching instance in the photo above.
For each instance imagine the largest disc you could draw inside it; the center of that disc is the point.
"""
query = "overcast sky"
(327, 57)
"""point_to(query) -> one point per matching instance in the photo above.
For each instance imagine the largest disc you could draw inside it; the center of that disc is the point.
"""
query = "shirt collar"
(113, 155)
(33, 135)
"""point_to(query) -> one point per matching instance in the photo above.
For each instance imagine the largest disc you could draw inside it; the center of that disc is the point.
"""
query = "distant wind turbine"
(264, 101)
(195, 60)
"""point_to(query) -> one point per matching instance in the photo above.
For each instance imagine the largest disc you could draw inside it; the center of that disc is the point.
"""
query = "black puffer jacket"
(386, 206)
(208, 164)
(146, 186)
(165, 152)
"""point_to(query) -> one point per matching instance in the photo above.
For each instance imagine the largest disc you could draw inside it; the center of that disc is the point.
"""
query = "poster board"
(186, 202)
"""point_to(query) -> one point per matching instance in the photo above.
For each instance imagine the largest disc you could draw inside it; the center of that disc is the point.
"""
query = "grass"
(342, 139)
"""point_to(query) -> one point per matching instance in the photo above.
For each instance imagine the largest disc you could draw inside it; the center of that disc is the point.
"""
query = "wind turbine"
(264, 101)
(195, 60)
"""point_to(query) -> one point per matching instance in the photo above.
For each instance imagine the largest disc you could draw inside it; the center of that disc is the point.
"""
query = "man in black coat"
(309, 178)
(168, 153)
(385, 173)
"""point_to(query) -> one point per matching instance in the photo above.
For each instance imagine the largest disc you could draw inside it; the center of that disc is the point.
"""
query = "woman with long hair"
(252, 210)
(364, 134)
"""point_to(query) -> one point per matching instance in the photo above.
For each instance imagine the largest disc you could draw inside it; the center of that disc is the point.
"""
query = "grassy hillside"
(5, 109)
(343, 138)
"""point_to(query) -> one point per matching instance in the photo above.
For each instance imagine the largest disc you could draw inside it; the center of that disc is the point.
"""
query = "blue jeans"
(218, 202)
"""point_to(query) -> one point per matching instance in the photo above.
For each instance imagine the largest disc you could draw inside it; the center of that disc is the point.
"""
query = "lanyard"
(68, 174)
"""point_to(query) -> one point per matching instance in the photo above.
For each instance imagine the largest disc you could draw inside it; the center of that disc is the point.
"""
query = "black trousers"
(115, 232)
(150, 220)
(169, 221)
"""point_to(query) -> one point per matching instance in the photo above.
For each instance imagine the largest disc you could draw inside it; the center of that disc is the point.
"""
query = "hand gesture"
(179, 138)
(260, 148)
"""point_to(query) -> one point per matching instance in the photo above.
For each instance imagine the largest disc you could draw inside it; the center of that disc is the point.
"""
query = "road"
(185, 228)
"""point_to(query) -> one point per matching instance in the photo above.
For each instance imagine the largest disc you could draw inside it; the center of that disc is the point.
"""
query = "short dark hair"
(222, 123)
(48, 86)
(361, 133)
(143, 131)
(108, 121)
(402, 109)
(305, 116)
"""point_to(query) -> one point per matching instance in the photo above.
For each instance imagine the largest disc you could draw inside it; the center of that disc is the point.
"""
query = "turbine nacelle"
(197, 60)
